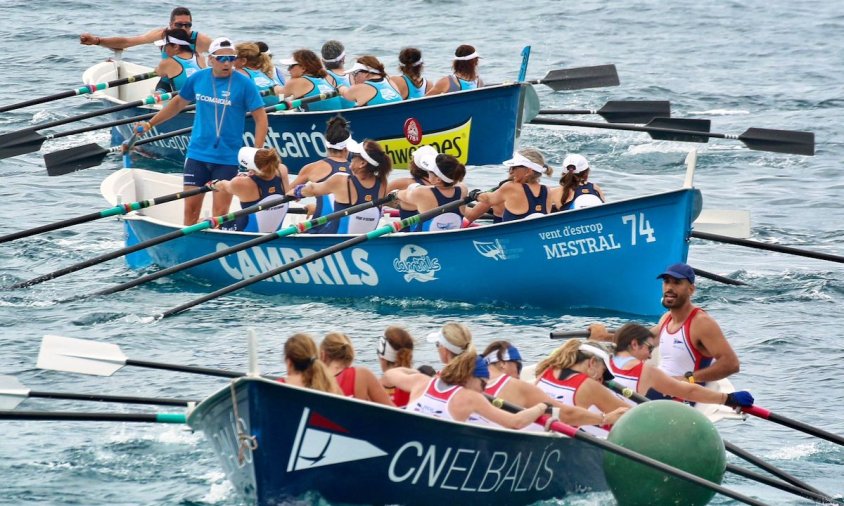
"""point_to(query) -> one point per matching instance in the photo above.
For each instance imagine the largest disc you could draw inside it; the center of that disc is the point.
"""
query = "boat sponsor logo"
(224, 100)
(307, 144)
(322, 442)
(413, 131)
(416, 265)
(349, 267)
(450, 141)
(470, 470)
(226, 440)
(492, 250)
(578, 240)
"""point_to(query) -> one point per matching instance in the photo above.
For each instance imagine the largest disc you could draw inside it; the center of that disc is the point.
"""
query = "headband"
(481, 368)
(468, 57)
(338, 58)
(508, 355)
(420, 62)
(520, 160)
(386, 350)
(340, 145)
(439, 337)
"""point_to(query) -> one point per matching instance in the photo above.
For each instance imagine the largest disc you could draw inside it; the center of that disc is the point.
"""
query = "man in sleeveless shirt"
(691, 344)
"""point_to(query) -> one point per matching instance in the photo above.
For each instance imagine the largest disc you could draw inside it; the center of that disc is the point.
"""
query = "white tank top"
(677, 355)
(435, 401)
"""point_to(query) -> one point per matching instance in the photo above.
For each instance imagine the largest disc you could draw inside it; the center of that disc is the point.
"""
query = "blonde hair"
(567, 356)
(460, 369)
(337, 346)
(536, 156)
(301, 351)
(460, 336)
(254, 57)
(402, 342)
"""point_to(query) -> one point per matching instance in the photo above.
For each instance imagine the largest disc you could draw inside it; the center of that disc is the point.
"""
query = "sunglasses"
(650, 347)
(226, 58)
(183, 25)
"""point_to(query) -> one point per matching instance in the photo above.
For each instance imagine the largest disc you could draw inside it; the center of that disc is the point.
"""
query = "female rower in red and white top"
(304, 368)
(505, 366)
(337, 352)
(395, 349)
(456, 393)
(634, 344)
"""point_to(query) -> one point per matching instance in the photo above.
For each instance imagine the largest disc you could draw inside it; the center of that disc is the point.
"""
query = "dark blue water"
(773, 65)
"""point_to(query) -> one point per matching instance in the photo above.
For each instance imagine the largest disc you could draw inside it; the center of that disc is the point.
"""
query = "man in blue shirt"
(223, 97)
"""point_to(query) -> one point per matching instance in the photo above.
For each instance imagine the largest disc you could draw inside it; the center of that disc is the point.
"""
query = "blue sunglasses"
(226, 58)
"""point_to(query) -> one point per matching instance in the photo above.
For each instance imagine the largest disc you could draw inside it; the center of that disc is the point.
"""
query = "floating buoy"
(675, 434)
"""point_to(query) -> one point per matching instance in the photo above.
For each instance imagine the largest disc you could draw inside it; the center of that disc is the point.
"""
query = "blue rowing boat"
(279, 443)
(460, 124)
(605, 257)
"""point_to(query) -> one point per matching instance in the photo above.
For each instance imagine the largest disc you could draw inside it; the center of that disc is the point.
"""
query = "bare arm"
(172, 108)
(653, 377)
(151, 36)
(600, 192)
(709, 339)
(593, 392)
(374, 391)
(261, 126)
(440, 87)
(469, 402)
(404, 378)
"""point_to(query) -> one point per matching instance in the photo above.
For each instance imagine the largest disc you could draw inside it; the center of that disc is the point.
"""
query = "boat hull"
(354, 452)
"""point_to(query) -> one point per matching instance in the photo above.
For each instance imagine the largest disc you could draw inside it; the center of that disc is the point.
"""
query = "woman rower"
(446, 174)
(180, 61)
(337, 135)
(395, 349)
(337, 352)
(457, 394)
(418, 176)
(634, 344)
(266, 178)
(524, 196)
(505, 366)
(308, 78)
(410, 84)
(371, 86)
(276, 74)
(465, 75)
(258, 67)
(334, 59)
(575, 191)
(304, 368)
(367, 182)
(573, 374)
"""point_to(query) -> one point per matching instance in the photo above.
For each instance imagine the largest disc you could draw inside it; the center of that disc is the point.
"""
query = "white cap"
(220, 43)
(439, 337)
(520, 160)
(425, 157)
(579, 162)
(246, 157)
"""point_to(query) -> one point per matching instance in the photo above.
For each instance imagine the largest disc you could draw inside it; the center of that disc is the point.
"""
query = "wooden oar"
(90, 155)
(697, 130)
(793, 424)
(28, 139)
(203, 225)
(74, 416)
(378, 232)
(768, 247)
(90, 88)
(573, 433)
(13, 392)
(623, 111)
(793, 484)
(293, 229)
(105, 213)
(580, 78)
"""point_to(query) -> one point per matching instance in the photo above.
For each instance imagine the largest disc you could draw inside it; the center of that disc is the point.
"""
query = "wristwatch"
(690, 376)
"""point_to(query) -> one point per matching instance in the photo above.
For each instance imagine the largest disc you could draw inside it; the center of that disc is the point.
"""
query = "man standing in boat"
(223, 98)
(692, 346)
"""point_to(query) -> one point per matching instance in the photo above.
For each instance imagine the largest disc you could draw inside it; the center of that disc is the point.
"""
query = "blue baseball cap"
(680, 271)
(481, 368)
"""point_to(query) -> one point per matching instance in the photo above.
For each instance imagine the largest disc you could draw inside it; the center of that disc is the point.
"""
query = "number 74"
(644, 227)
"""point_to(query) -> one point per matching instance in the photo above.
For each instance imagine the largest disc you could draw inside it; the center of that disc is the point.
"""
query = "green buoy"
(673, 433)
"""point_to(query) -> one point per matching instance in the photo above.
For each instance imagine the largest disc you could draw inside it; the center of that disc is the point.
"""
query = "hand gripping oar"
(768, 247)
(573, 433)
(624, 111)
(105, 213)
(793, 424)
(73, 416)
(203, 225)
(580, 78)
(697, 130)
(28, 139)
(84, 90)
(378, 232)
(793, 485)
(13, 392)
(293, 229)
(90, 155)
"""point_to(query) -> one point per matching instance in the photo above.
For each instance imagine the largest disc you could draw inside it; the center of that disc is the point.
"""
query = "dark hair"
(180, 11)
(466, 68)
(331, 50)
(628, 333)
(385, 165)
(337, 130)
(262, 46)
(310, 62)
(401, 341)
(451, 168)
(417, 171)
(410, 60)
(178, 33)
(499, 347)
(570, 180)
(373, 63)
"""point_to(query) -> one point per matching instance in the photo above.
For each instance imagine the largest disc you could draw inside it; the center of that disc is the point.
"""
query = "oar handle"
(71, 416)
(793, 424)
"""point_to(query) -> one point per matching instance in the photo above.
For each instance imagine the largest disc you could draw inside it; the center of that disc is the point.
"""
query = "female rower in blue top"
(180, 61)
(575, 191)
(418, 176)
(410, 84)
(258, 67)
(275, 72)
(445, 174)
(266, 178)
(465, 75)
(524, 196)
(371, 86)
(367, 182)
(334, 59)
(308, 78)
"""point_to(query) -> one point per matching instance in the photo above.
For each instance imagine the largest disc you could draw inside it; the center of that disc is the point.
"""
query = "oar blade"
(685, 127)
(599, 76)
(635, 111)
(70, 160)
(79, 356)
(12, 393)
(14, 144)
(779, 141)
(731, 223)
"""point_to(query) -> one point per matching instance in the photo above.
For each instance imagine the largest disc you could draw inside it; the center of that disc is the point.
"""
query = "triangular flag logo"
(321, 442)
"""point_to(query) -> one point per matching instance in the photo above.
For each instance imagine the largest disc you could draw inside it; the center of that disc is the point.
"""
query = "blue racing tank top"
(343, 80)
(263, 82)
(170, 84)
(584, 196)
(446, 221)
(263, 221)
(536, 205)
(325, 203)
(360, 222)
(384, 93)
(457, 84)
(414, 91)
(321, 86)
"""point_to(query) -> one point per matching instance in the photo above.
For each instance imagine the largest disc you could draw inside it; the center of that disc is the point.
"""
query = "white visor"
(519, 160)
(438, 337)
(355, 147)
(386, 350)
(358, 66)
(332, 60)
(246, 158)
(468, 57)
(288, 61)
(340, 145)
